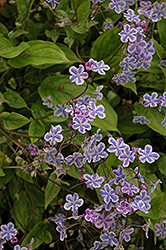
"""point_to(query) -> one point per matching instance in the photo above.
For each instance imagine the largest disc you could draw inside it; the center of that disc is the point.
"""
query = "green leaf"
(60, 88)
(24, 174)
(39, 53)
(153, 116)
(83, 12)
(36, 194)
(22, 7)
(13, 120)
(14, 99)
(164, 72)
(161, 164)
(3, 29)
(106, 45)
(8, 51)
(36, 128)
(73, 171)
(161, 26)
(69, 53)
(51, 190)
(17, 33)
(3, 65)
(83, 27)
(53, 34)
(7, 177)
(38, 233)
(125, 123)
(132, 86)
(158, 48)
(47, 237)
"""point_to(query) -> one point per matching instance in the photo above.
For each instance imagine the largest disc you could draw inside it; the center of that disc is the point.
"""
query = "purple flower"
(130, 16)
(99, 66)
(94, 181)
(17, 247)
(105, 220)
(116, 146)
(162, 64)
(120, 175)
(53, 2)
(129, 76)
(91, 215)
(76, 159)
(124, 207)
(158, 11)
(61, 229)
(160, 229)
(142, 202)
(60, 110)
(99, 152)
(149, 49)
(33, 149)
(78, 75)
(129, 188)
(125, 234)
(8, 231)
(163, 100)
(144, 61)
(109, 194)
(81, 124)
(128, 63)
(163, 123)
(54, 135)
(14, 240)
(141, 119)
(96, 110)
(145, 5)
(127, 157)
(128, 34)
(120, 78)
(109, 238)
(151, 101)
(73, 202)
(48, 101)
(147, 154)
(119, 5)
(137, 46)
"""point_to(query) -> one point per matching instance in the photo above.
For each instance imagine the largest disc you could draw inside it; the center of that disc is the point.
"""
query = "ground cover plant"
(82, 124)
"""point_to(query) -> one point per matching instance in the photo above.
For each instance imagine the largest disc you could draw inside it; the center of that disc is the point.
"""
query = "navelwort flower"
(109, 238)
(73, 202)
(48, 101)
(128, 34)
(78, 75)
(99, 67)
(94, 181)
(7, 231)
(147, 154)
(54, 135)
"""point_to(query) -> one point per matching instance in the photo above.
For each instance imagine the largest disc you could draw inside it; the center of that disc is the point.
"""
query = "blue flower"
(149, 49)
(160, 229)
(96, 110)
(99, 66)
(17, 247)
(141, 119)
(98, 245)
(163, 123)
(119, 5)
(48, 101)
(61, 229)
(76, 159)
(127, 157)
(142, 202)
(109, 238)
(124, 207)
(81, 124)
(163, 100)
(130, 16)
(154, 185)
(60, 110)
(73, 202)
(78, 75)
(137, 46)
(146, 228)
(109, 194)
(99, 152)
(8, 231)
(53, 2)
(54, 135)
(157, 12)
(116, 146)
(84, 100)
(105, 220)
(108, 25)
(97, 94)
(125, 234)
(94, 181)
(120, 175)
(144, 61)
(147, 154)
(128, 34)
(128, 63)
(129, 188)
(91, 215)
(59, 218)
(120, 78)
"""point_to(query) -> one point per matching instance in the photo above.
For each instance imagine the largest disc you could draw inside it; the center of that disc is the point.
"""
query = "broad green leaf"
(125, 123)
(13, 120)
(106, 45)
(51, 190)
(153, 116)
(8, 51)
(83, 27)
(14, 99)
(161, 26)
(3, 65)
(36, 194)
(132, 86)
(69, 53)
(32, 28)
(83, 11)
(158, 48)
(164, 72)
(53, 34)
(39, 53)
(37, 232)
(24, 174)
(7, 177)
(47, 237)
(22, 7)
(113, 98)
(3, 29)
(60, 88)
(17, 33)
(161, 164)
(73, 171)
(36, 128)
